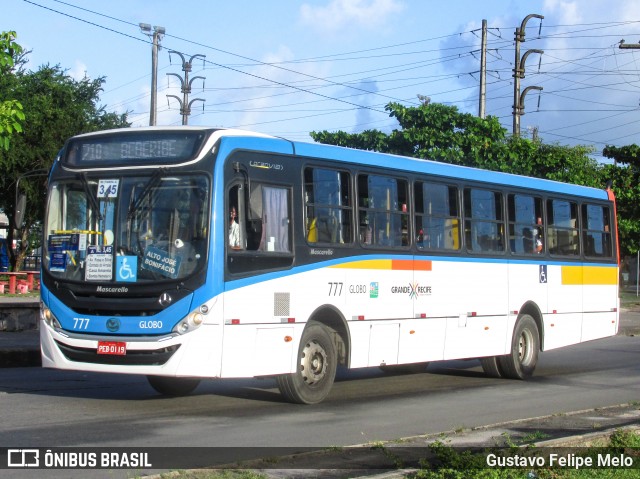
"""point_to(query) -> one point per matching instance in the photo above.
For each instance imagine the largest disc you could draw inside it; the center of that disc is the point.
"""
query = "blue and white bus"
(187, 253)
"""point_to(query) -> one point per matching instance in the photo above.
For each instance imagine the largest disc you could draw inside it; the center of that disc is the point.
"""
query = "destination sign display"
(133, 148)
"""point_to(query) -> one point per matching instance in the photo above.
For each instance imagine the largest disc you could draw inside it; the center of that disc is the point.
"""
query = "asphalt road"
(45, 408)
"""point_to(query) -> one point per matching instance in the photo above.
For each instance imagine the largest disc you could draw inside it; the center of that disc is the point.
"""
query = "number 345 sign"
(108, 188)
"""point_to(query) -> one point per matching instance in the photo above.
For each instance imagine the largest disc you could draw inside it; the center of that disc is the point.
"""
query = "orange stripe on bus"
(421, 265)
(402, 264)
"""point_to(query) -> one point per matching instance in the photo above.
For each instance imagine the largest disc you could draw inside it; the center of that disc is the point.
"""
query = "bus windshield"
(127, 229)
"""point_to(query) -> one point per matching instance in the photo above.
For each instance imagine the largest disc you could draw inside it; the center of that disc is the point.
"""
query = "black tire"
(413, 368)
(525, 346)
(317, 364)
(170, 386)
(491, 366)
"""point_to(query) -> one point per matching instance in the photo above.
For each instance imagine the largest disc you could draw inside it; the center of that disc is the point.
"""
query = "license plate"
(115, 348)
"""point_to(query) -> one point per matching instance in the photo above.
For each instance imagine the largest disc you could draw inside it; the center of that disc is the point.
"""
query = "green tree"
(11, 115)
(55, 107)
(441, 133)
(624, 174)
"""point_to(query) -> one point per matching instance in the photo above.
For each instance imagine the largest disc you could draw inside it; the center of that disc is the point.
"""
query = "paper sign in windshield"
(99, 263)
(63, 242)
(161, 262)
(108, 188)
(58, 262)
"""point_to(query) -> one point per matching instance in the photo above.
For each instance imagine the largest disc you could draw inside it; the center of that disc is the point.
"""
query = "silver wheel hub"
(524, 347)
(313, 362)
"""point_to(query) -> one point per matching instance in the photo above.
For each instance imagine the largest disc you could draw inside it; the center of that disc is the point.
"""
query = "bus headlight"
(191, 322)
(49, 318)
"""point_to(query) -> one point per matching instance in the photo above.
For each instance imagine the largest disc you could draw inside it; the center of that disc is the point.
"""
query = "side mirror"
(21, 204)
(21, 198)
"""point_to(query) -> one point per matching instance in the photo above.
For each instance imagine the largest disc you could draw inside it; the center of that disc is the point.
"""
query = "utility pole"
(157, 36)
(483, 72)
(518, 74)
(185, 104)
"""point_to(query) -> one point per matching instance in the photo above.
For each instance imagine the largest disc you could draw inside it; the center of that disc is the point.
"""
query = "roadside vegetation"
(454, 463)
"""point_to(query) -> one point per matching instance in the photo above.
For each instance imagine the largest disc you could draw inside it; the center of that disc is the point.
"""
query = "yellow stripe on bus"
(388, 264)
(593, 275)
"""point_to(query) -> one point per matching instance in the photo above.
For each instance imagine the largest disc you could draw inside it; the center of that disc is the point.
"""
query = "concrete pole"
(483, 72)
(157, 32)
(156, 36)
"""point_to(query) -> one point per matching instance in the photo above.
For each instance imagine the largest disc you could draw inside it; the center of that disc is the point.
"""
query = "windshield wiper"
(152, 183)
(90, 195)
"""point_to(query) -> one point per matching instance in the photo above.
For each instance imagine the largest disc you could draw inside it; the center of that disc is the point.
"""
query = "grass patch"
(213, 474)
(451, 463)
(629, 299)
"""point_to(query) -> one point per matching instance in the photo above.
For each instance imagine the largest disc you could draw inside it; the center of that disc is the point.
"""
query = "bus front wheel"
(491, 366)
(316, 368)
(170, 386)
(525, 345)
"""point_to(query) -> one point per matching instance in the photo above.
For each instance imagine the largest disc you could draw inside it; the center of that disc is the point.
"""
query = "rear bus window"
(596, 235)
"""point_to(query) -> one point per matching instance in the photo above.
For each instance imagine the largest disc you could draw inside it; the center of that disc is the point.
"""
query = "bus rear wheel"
(316, 368)
(170, 386)
(525, 346)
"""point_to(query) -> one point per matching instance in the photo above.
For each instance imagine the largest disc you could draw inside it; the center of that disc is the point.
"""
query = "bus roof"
(443, 169)
(235, 138)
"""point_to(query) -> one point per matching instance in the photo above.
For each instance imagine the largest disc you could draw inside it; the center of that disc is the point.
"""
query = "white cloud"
(79, 71)
(564, 11)
(340, 14)
(573, 12)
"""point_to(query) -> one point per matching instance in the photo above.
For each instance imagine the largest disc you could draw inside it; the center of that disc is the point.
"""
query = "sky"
(286, 67)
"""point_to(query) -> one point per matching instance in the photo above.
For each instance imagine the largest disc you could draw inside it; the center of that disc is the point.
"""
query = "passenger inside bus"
(234, 229)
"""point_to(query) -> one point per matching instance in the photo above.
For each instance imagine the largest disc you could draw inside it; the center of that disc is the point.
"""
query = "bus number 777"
(335, 289)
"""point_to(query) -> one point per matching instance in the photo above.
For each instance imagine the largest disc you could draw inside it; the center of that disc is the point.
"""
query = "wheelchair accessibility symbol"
(126, 268)
(543, 273)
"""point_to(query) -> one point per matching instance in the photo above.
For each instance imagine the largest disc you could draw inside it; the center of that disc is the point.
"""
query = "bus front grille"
(156, 357)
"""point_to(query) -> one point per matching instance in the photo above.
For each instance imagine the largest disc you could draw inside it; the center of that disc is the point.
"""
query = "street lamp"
(156, 33)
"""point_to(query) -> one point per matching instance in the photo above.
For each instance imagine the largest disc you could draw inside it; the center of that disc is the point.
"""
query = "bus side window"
(327, 206)
(526, 234)
(596, 233)
(275, 220)
(484, 228)
(437, 216)
(562, 227)
(382, 211)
